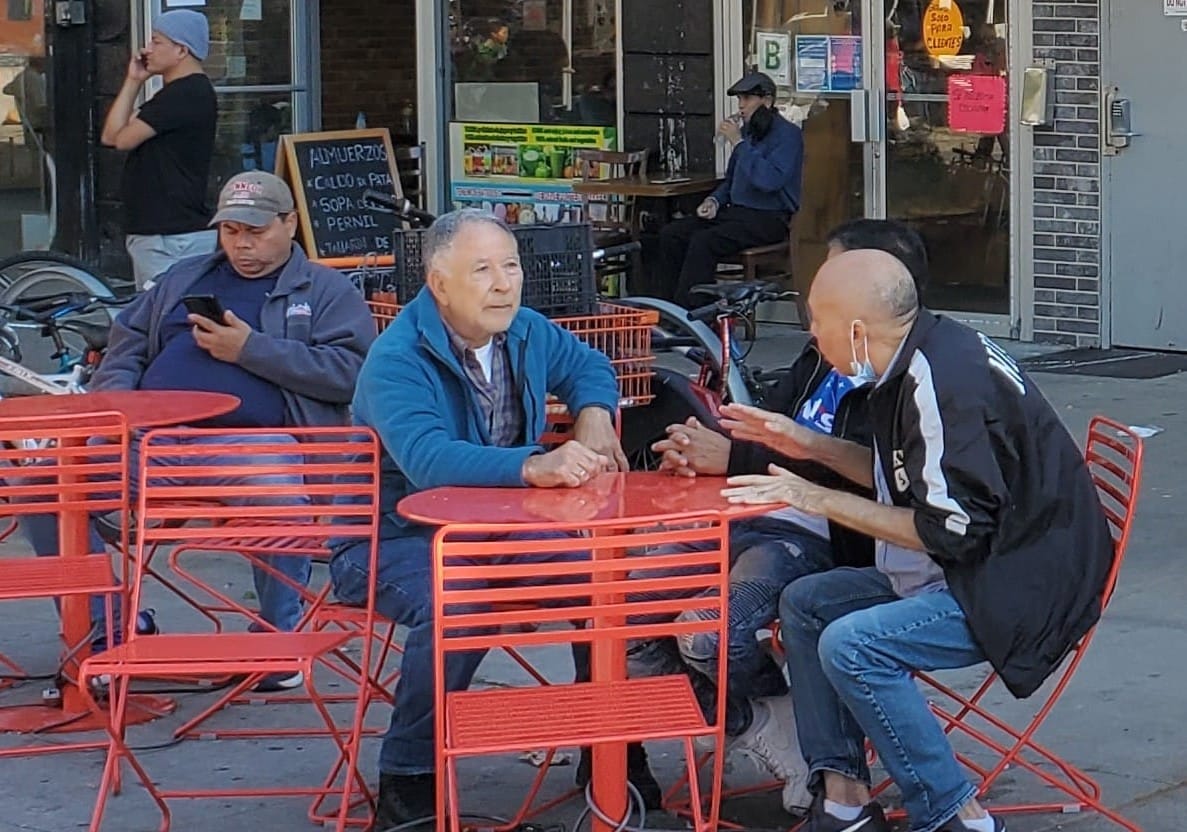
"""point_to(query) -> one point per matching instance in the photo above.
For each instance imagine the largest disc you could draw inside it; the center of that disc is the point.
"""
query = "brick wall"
(1067, 164)
(368, 63)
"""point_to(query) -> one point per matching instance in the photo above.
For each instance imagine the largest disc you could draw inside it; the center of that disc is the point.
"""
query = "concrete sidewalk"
(1121, 719)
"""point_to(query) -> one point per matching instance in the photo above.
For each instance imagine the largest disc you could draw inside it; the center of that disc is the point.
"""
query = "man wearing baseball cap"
(290, 343)
(170, 142)
(754, 204)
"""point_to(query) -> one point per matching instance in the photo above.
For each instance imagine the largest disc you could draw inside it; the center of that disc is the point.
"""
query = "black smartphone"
(207, 306)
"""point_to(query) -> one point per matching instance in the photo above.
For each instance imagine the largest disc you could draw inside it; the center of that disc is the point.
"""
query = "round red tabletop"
(142, 408)
(637, 495)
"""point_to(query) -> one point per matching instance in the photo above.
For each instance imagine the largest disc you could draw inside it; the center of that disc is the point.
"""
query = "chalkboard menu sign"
(328, 173)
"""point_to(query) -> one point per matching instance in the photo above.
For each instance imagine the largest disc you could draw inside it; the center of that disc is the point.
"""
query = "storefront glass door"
(903, 108)
(526, 86)
(816, 53)
(261, 54)
(947, 156)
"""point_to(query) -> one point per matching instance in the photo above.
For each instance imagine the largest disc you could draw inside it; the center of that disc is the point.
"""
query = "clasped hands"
(692, 448)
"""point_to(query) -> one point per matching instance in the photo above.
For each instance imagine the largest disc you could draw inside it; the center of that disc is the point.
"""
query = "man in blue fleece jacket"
(455, 388)
(754, 203)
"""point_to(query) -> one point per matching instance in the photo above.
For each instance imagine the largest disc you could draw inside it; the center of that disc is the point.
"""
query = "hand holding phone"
(208, 306)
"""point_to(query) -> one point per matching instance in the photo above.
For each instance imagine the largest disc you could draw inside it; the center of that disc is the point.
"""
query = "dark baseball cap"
(753, 83)
(253, 198)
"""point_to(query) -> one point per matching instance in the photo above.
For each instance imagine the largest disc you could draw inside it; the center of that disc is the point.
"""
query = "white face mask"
(862, 372)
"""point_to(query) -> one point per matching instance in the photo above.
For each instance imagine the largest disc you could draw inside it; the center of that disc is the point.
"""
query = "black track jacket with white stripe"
(1003, 500)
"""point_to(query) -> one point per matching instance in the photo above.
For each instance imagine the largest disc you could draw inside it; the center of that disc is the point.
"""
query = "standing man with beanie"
(753, 206)
(170, 141)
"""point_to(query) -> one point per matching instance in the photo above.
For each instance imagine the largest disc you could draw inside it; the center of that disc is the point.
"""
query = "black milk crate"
(558, 267)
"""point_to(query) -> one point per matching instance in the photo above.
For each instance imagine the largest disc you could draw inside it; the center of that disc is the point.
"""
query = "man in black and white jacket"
(990, 545)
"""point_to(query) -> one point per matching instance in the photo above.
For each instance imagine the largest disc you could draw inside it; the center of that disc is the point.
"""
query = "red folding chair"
(67, 478)
(497, 593)
(1114, 457)
(380, 687)
(340, 465)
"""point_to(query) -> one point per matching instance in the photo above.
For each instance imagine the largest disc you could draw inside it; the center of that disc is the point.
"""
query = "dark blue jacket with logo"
(315, 330)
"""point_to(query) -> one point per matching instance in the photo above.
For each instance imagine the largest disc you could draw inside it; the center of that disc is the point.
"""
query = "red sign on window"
(977, 104)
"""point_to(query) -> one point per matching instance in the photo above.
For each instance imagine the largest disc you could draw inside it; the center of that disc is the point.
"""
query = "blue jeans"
(852, 645)
(403, 593)
(766, 554)
(280, 604)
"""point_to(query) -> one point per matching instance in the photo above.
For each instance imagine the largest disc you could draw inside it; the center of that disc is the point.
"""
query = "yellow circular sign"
(943, 28)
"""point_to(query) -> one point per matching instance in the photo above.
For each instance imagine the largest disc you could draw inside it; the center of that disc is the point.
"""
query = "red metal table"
(644, 497)
(142, 409)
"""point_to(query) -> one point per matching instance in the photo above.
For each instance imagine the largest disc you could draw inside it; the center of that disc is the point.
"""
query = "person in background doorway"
(263, 133)
(170, 142)
(752, 206)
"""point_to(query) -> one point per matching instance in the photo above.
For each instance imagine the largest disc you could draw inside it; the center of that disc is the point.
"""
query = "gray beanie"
(187, 27)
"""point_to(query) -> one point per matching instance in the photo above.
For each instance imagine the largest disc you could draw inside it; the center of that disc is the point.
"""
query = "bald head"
(866, 284)
(862, 299)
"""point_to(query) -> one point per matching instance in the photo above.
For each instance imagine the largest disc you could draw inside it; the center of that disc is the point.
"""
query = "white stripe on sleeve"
(931, 426)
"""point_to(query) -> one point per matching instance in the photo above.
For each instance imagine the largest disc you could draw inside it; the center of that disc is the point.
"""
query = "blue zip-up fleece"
(415, 394)
(768, 174)
(315, 329)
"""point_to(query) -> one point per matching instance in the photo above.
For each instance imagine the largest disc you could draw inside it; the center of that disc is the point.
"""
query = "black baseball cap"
(753, 83)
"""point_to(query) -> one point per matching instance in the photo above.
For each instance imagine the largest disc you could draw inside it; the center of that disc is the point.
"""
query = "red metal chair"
(338, 463)
(493, 593)
(1114, 457)
(335, 616)
(64, 477)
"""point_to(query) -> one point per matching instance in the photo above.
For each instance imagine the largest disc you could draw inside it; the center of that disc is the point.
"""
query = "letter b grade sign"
(774, 56)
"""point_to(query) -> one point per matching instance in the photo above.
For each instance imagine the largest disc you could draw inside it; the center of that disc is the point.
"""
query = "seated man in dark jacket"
(970, 464)
(752, 206)
(290, 345)
(771, 551)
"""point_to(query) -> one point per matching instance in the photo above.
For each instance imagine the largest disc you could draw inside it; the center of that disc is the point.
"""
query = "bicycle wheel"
(38, 273)
(62, 272)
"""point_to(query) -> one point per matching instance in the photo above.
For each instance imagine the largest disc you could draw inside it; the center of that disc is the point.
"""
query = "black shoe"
(871, 819)
(637, 772)
(958, 825)
(403, 799)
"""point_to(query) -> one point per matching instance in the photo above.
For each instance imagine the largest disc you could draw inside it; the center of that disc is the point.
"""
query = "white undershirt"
(485, 357)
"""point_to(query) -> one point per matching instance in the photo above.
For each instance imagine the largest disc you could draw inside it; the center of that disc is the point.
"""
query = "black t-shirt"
(164, 184)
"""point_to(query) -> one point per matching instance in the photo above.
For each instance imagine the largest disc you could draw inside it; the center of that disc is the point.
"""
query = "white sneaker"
(771, 741)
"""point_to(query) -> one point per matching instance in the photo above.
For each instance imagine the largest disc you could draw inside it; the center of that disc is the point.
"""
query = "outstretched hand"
(774, 430)
(780, 486)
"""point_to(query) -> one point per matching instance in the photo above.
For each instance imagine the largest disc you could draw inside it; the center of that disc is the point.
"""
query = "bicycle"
(78, 342)
(722, 373)
(45, 272)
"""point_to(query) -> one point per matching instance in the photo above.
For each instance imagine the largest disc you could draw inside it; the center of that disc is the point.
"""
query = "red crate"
(623, 333)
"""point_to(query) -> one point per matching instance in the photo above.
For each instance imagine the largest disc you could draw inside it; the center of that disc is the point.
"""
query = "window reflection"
(949, 182)
(543, 61)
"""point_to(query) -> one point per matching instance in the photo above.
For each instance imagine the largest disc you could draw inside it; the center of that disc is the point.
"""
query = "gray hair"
(900, 296)
(441, 234)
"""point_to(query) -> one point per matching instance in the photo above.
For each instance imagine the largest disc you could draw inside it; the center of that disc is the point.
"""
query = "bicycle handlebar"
(738, 308)
(616, 251)
(400, 207)
(46, 309)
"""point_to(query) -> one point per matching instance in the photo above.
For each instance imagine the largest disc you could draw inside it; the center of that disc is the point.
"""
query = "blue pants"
(280, 604)
(852, 645)
(766, 554)
(403, 593)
